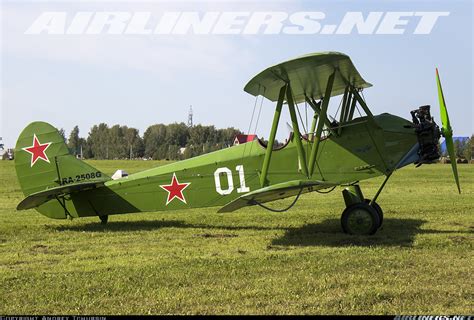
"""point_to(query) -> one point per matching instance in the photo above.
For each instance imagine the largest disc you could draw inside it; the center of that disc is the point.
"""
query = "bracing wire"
(357, 107)
(253, 114)
(332, 189)
(363, 98)
(299, 114)
(279, 210)
(307, 126)
(258, 116)
(251, 120)
(301, 119)
(258, 119)
(306, 113)
(337, 111)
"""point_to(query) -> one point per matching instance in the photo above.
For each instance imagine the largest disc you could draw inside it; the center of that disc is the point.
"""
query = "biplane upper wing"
(275, 192)
(308, 76)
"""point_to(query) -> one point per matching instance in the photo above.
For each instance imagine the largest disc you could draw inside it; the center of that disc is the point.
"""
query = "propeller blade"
(452, 156)
(447, 130)
(442, 106)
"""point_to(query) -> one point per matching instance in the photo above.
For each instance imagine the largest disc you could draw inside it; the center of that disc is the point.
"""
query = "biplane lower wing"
(38, 198)
(276, 192)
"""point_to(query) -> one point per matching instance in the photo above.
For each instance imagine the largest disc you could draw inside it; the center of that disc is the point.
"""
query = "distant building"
(244, 138)
(7, 154)
(2, 150)
(461, 142)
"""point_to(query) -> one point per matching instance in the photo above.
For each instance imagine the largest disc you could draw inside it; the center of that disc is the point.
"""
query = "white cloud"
(154, 53)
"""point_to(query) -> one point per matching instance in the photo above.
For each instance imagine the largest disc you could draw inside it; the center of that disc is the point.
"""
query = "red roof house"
(244, 138)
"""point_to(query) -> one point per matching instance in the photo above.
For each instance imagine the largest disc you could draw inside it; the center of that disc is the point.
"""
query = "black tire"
(104, 219)
(360, 219)
(377, 208)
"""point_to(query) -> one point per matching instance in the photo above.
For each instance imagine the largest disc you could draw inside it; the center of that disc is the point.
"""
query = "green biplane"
(332, 153)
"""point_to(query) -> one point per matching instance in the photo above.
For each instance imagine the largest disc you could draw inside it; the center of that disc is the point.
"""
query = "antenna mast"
(190, 116)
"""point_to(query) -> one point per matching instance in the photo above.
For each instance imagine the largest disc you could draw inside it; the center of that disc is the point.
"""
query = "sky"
(143, 79)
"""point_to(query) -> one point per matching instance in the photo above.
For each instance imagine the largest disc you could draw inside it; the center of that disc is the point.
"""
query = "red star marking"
(175, 190)
(37, 150)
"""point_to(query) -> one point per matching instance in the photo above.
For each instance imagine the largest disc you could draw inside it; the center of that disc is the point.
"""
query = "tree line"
(174, 141)
(464, 148)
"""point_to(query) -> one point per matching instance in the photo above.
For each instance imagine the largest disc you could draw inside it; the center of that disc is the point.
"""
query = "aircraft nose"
(401, 143)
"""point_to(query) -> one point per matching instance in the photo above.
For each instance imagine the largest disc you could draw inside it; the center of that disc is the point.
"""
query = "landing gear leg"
(104, 219)
(359, 217)
(377, 208)
(373, 202)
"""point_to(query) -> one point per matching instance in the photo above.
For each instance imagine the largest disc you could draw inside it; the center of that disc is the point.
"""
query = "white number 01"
(230, 181)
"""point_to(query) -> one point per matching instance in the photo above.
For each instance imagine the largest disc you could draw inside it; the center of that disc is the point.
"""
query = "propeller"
(447, 131)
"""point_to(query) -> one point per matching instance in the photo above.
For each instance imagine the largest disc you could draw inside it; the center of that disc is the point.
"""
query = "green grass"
(250, 261)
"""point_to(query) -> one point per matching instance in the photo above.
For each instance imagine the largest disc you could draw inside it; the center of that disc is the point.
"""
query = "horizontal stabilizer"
(38, 198)
(276, 192)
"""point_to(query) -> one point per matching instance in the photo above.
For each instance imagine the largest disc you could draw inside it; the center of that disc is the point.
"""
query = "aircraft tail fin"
(43, 161)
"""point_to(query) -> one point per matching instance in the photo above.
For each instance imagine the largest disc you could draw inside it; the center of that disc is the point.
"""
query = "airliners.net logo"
(234, 23)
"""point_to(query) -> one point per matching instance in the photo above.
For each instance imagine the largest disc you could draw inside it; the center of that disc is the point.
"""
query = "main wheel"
(360, 219)
(377, 208)
(104, 219)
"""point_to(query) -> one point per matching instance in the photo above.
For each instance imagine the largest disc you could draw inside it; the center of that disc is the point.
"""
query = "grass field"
(250, 261)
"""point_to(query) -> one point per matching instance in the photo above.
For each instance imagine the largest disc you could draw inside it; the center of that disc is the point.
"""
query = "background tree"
(154, 140)
(467, 153)
(177, 134)
(62, 133)
(460, 147)
(73, 141)
(117, 145)
(134, 142)
(174, 141)
(98, 141)
(227, 136)
(86, 153)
